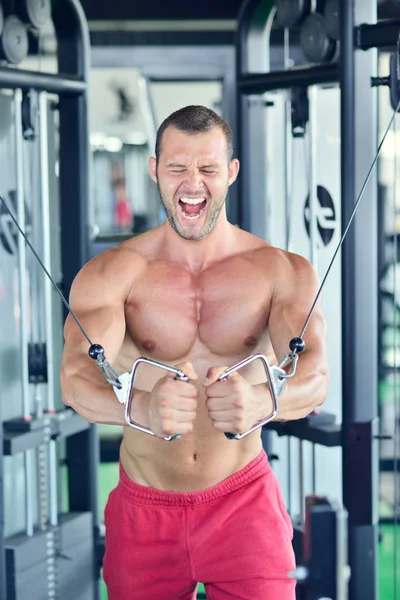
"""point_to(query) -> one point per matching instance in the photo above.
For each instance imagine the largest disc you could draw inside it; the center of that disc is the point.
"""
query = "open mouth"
(192, 208)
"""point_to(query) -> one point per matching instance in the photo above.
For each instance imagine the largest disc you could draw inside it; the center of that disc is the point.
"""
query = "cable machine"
(332, 36)
(37, 563)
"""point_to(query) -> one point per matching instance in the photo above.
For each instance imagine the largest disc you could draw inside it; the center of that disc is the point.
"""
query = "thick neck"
(198, 255)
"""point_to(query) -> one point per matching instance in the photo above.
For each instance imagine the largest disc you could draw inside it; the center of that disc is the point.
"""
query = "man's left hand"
(235, 405)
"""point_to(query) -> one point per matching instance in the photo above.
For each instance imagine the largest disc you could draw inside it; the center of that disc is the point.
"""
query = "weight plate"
(14, 40)
(1, 19)
(331, 19)
(38, 12)
(291, 12)
(317, 46)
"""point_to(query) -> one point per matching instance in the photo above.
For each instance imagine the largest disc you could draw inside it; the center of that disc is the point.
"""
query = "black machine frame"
(70, 84)
(358, 433)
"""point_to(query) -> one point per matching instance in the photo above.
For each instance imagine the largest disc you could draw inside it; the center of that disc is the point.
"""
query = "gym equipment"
(323, 574)
(358, 431)
(276, 377)
(290, 13)
(14, 41)
(28, 571)
(33, 12)
(179, 375)
(393, 80)
(22, 271)
(48, 309)
(315, 42)
(331, 19)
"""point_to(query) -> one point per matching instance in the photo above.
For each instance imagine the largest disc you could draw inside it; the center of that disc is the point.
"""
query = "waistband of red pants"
(140, 494)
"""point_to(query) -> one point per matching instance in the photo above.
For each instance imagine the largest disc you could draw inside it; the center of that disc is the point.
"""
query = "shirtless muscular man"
(200, 294)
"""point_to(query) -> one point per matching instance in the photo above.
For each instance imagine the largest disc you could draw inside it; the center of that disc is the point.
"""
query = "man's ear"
(233, 170)
(153, 168)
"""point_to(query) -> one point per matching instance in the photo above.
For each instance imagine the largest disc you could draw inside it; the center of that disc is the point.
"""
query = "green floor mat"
(387, 570)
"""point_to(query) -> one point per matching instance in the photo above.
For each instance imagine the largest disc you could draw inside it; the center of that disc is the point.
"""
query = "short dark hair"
(195, 119)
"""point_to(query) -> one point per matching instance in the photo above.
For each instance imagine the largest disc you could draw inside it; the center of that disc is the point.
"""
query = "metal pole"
(312, 181)
(288, 141)
(301, 481)
(73, 52)
(29, 80)
(258, 83)
(48, 289)
(359, 304)
(23, 305)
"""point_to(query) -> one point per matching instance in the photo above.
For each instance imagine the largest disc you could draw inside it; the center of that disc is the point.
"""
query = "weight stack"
(72, 578)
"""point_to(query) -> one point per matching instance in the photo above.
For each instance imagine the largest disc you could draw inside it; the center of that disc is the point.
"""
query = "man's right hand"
(172, 404)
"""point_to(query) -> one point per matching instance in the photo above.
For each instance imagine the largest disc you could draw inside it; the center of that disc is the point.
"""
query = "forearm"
(91, 396)
(301, 394)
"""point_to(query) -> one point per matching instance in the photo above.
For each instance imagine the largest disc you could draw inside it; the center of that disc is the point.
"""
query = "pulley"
(290, 13)
(34, 12)
(331, 19)
(14, 41)
(315, 42)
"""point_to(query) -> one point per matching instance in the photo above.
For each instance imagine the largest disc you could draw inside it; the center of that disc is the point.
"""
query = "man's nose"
(194, 179)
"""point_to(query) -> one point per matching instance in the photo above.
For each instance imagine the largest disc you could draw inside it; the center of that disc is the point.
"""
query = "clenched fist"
(173, 403)
(235, 405)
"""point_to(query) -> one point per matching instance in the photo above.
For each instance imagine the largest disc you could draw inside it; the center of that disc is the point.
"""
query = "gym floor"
(108, 477)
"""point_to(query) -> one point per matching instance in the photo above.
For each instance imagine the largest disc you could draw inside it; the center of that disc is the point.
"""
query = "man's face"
(193, 176)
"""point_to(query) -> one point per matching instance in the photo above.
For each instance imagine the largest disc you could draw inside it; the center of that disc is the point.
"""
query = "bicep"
(98, 303)
(104, 326)
(294, 293)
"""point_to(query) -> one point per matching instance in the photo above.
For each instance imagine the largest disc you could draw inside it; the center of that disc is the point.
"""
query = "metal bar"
(359, 298)
(347, 94)
(252, 55)
(15, 443)
(73, 52)
(380, 35)
(22, 264)
(22, 280)
(288, 144)
(312, 175)
(45, 214)
(329, 436)
(258, 83)
(48, 289)
(301, 480)
(29, 80)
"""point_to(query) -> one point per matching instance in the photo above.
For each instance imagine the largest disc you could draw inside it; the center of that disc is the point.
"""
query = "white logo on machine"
(325, 215)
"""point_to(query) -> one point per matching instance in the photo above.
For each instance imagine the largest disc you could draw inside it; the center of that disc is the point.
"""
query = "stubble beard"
(208, 226)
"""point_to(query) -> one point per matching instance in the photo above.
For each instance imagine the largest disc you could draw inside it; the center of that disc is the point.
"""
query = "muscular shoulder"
(294, 278)
(287, 270)
(110, 274)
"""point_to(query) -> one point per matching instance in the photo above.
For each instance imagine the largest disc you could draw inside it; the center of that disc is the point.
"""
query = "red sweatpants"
(234, 537)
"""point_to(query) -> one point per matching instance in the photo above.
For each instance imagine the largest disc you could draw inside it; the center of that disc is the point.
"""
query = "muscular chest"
(225, 308)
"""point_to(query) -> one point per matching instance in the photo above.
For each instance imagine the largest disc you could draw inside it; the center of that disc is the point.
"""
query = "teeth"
(192, 200)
